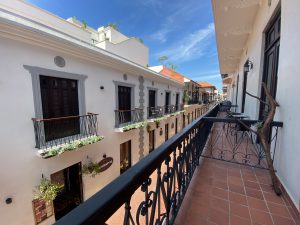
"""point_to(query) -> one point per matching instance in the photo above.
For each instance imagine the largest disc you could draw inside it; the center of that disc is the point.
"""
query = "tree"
(172, 66)
(263, 132)
(162, 59)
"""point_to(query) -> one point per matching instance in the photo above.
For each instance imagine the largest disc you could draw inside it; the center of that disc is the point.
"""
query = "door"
(177, 102)
(272, 44)
(244, 90)
(167, 102)
(152, 103)
(237, 89)
(59, 99)
(70, 196)
(124, 104)
(125, 156)
(151, 140)
(166, 131)
(176, 126)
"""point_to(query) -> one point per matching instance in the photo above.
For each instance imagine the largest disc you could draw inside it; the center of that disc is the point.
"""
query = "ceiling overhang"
(234, 20)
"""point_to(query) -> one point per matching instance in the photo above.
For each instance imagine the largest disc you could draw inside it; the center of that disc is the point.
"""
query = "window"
(125, 156)
(151, 140)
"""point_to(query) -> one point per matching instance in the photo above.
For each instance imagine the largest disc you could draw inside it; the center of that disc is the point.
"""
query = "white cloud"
(177, 15)
(189, 47)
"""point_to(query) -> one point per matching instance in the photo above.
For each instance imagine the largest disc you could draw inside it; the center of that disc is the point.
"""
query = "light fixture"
(248, 66)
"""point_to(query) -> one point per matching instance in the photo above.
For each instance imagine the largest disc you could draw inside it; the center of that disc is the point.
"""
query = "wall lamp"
(248, 66)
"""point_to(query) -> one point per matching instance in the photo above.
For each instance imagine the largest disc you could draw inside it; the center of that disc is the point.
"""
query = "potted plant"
(47, 190)
(91, 168)
(124, 164)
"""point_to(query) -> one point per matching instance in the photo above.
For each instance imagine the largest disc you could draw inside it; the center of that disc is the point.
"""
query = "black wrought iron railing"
(127, 117)
(170, 109)
(162, 177)
(155, 112)
(57, 131)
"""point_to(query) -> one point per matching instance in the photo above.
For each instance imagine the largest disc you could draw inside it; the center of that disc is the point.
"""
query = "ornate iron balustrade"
(231, 141)
(163, 178)
(57, 131)
(170, 109)
(126, 117)
(155, 112)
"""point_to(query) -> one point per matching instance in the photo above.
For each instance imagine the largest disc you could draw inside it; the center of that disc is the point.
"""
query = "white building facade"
(47, 59)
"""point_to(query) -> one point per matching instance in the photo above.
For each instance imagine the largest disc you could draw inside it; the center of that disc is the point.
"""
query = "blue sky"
(183, 30)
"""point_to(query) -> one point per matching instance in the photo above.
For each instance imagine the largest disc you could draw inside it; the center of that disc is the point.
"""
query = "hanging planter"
(91, 168)
(46, 190)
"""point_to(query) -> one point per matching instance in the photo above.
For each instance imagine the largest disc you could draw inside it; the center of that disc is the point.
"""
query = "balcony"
(155, 112)
(54, 136)
(129, 119)
(212, 172)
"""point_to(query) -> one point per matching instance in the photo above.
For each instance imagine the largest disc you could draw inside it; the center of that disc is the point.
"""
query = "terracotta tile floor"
(223, 193)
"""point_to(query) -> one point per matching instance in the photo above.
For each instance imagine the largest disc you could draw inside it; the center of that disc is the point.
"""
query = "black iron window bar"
(57, 131)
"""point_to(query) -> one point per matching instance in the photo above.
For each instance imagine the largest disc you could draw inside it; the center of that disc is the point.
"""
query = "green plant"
(84, 24)
(57, 150)
(172, 66)
(124, 164)
(113, 25)
(185, 97)
(46, 190)
(259, 125)
(91, 168)
(162, 59)
(134, 126)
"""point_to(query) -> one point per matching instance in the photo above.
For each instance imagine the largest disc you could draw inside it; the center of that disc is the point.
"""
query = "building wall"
(22, 169)
(288, 155)
(130, 49)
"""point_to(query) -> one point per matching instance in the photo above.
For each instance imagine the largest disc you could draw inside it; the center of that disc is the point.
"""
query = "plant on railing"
(91, 168)
(148, 127)
(57, 150)
(186, 98)
(46, 190)
(134, 126)
(177, 113)
(159, 119)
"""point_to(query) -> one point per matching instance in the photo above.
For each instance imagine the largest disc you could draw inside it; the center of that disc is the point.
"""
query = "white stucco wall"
(130, 49)
(288, 154)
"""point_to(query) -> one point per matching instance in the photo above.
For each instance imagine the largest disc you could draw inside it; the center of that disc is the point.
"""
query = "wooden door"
(124, 104)
(166, 132)
(59, 99)
(125, 156)
(152, 103)
(244, 90)
(272, 44)
(151, 140)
